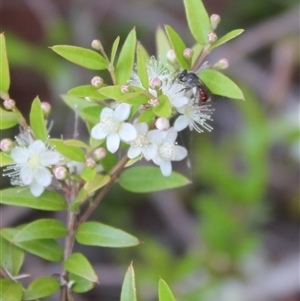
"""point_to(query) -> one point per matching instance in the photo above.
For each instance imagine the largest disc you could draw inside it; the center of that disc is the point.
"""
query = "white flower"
(31, 162)
(113, 127)
(167, 150)
(141, 144)
(194, 116)
(176, 93)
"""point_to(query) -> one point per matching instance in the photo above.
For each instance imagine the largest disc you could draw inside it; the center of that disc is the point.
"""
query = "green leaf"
(39, 229)
(49, 200)
(128, 292)
(98, 182)
(198, 20)
(220, 84)
(47, 249)
(4, 68)
(114, 50)
(162, 45)
(71, 152)
(80, 285)
(40, 288)
(77, 143)
(147, 116)
(164, 292)
(141, 67)
(80, 198)
(164, 108)
(98, 234)
(126, 59)
(178, 46)
(109, 161)
(88, 173)
(76, 103)
(10, 291)
(197, 49)
(86, 91)
(135, 98)
(91, 114)
(229, 36)
(81, 56)
(113, 92)
(37, 120)
(11, 257)
(5, 159)
(80, 266)
(149, 178)
(9, 119)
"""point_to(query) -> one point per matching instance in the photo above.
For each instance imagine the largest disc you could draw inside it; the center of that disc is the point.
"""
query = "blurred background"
(233, 234)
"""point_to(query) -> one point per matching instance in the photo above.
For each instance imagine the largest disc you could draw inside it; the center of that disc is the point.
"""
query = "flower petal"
(49, 158)
(113, 142)
(179, 101)
(98, 132)
(42, 176)
(20, 155)
(141, 127)
(127, 132)
(122, 111)
(150, 152)
(181, 153)
(106, 112)
(133, 152)
(36, 189)
(181, 123)
(26, 174)
(37, 147)
(171, 135)
(166, 168)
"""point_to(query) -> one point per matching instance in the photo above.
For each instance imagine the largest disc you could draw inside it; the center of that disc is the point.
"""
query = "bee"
(191, 80)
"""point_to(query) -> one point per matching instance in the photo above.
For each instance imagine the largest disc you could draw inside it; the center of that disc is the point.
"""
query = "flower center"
(141, 141)
(167, 151)
(34, 161)
(110, 125)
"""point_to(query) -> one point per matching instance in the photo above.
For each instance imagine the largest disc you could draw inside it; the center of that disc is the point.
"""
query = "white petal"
(133, 152)
(49, 158)
(36, 189)
(98, 132)
(181, 153)
(106, 112)
(171, 135)
(113, 142)
(37, 147)
(155, 136)
(150, 152)
(43, 176)
(26, 174)
(122, 111)
(179, 101)
(157, 159)
(181, 123)
(166, 168)
(20, 155)
(127, 132)
(141, 127)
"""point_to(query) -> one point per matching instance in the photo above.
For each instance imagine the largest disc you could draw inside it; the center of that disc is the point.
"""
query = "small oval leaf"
(80, 285)
(98, 234)
(10, 291)
(86, 91)
(164, 292)
(71, 152)
(37, 120)
(4, 68)
(9, 119)
(229, 36)
(128, 292)
(220, 84)
(40, 288)
(49, 200)
(162, 45)
(114, 50)
(98, 182)
(81, 56)
(141, 67)
(149, 178)
(79, 265)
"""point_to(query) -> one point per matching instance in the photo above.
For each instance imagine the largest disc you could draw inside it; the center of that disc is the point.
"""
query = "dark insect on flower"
(191, 80)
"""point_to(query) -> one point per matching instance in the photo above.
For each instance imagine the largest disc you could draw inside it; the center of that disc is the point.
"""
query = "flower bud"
(46, 108)
(97, 81)
(188, 53)
(99, 153)
(214, 21)
(90, 162)
(155, 83)
(9, 104)
(221, 64)
(212, 37)
(60, 172)
(162, 123)
(171, 57)
(96, 44)
(125, 88)
(153, 102)
(6, 145)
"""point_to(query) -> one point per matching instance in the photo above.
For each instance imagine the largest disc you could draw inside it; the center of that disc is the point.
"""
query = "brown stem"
(114, 173)
(203, 54)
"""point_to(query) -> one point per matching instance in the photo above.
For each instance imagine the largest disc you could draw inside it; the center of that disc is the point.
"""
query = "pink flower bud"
(221, 64)
(96, 44)
(214, 20)
(90, 162)
(212, 37)
(125, 88)
(162, 124)
(97, 81)
(171, 57)
(46, 108)
(155, 83)
(153, 102)
(60, 172)
(9, 104)
(6, 145)
(188, 53)
(99, 153)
